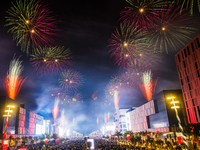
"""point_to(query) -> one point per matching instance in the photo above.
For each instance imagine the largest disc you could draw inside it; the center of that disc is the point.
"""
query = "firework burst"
(105, 118)
(108, 116)
(55, 110)
(147, 85)
(97, 120)
(51, 59)
(76, 97)
(94, 95)
(141, 12)
(172, 30)
(70, 80)
(14, 80)
(31, 25)
(126, 44)
(189, 5)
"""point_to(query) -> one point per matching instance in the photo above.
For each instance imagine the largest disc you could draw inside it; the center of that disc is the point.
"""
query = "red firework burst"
(148, 85)
(14, 80)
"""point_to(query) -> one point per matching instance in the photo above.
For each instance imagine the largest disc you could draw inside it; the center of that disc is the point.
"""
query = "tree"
(128, 133)
(118, 134)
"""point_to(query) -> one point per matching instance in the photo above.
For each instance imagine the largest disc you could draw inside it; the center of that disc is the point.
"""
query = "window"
(196, 65)
(124, 126)
(198, 44)
(189, 86)
(121, 116)
(188, 79)
(184, 64)
(198, 74)
(189, 115)
(188, 50)
(192, 47)
(193, 102)
(179, 58)
(180, 74)
(186, 104)
(185, 96)
(198, 110)
(196, 114)
(185, 53)
(181, 82)
(182, 54)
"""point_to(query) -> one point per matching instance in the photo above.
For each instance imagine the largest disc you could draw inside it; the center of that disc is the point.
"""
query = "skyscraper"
(188, 66)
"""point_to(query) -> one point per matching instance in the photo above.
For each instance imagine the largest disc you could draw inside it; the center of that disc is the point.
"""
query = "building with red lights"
(23, 120)
(188, 67)
(157, 115)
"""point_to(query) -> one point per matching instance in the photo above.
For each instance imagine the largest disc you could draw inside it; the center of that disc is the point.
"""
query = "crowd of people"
(81, 144)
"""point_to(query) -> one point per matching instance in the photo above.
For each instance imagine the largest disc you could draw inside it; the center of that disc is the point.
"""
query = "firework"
(70, 80)
(56, 108)
(141, 13)
(189, 5)
(76, 97)
(147, 85)
(105, 118)
(126, 44)
(108, 115)
(51, 59)
(31, 25)
(97, 120)
(94, 95)
(63, 117)
(172, 29)
(14, 80)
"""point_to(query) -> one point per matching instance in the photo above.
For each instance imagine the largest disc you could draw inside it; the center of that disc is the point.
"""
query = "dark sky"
(86, 27)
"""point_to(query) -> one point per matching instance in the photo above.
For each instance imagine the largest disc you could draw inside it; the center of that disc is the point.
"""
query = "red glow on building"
(188, 67)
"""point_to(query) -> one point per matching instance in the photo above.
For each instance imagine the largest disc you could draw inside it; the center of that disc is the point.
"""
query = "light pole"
(8, 111)
(179, 121)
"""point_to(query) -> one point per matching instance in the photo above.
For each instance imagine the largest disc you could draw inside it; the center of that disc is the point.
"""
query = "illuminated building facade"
(108, 128)
(188, 67)
(22, 121)
(157, 115)
(120, 119)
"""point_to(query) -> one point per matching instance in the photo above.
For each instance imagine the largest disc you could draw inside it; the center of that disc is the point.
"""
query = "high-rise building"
(188, 66)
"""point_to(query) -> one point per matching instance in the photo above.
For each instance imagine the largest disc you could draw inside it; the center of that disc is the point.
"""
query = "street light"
(7, 115)
(177, 116)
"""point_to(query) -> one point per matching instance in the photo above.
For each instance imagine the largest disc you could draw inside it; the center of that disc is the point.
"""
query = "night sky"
(86, 27)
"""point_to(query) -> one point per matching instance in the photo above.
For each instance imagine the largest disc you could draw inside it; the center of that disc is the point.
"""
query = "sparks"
(14, 80)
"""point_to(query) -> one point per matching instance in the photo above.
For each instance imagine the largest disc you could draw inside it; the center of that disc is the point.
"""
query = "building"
(157, 115)
(120, 119)
(22, 122)
(108, 128)
(188, 67)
